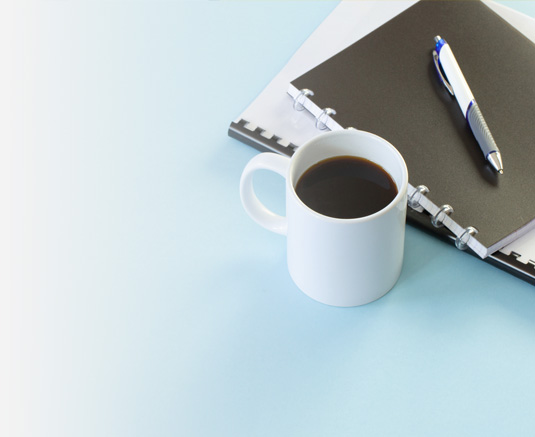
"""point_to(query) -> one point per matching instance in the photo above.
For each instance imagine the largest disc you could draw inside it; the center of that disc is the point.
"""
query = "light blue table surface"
(138, 299)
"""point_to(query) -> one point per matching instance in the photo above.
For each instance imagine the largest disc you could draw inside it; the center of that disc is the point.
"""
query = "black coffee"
(346, 187)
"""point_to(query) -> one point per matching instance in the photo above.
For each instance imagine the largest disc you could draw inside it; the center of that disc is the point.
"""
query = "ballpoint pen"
(453, 79)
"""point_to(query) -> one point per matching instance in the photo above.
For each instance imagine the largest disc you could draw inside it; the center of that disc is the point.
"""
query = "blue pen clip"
(439, 44)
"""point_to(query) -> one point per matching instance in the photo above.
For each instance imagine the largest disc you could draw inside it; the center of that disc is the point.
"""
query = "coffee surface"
(346, 187)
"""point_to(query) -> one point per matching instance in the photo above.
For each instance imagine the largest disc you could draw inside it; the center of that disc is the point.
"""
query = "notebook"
(275, 113)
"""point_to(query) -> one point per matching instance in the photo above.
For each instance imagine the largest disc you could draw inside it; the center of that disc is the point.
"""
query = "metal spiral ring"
(320, 124)
(461, 242)
(413, 201)
(300, 98)
(438, 218)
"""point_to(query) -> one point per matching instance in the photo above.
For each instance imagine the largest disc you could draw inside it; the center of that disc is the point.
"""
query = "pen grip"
(480, 129)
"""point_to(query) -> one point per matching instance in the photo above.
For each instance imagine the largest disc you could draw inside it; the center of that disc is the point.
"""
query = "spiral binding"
(322, 116)
(325, 114)
(462, 235)
(461, 242)
(437, 220)
(301, 98)
(414, 199)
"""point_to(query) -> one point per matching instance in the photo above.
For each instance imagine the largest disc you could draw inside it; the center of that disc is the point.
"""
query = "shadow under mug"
(339, 262)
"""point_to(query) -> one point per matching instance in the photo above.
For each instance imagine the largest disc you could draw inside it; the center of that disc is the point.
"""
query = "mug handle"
(256, 209)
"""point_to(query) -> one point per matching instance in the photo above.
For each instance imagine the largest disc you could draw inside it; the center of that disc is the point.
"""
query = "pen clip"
(439, 71)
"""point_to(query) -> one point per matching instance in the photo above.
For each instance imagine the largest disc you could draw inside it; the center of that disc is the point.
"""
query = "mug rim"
(401, 190)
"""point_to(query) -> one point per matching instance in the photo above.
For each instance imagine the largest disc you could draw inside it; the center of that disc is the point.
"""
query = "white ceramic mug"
(340, 262)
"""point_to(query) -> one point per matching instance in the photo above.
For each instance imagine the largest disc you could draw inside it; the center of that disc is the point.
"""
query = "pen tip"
(495, 160)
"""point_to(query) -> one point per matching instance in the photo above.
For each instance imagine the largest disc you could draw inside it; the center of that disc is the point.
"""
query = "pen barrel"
(481, 130)
(455, 77)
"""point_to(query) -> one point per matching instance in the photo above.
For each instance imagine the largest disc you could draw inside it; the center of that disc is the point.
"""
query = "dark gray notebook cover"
(386, 83)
